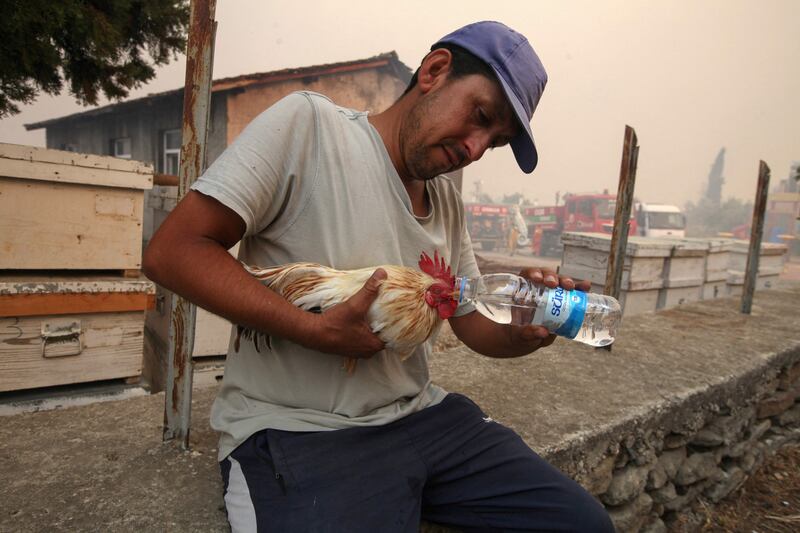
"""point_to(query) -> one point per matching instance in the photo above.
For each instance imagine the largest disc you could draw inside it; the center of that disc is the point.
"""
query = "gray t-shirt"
(313, 182)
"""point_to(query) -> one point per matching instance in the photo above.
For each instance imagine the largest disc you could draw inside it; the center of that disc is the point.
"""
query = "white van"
(660, 220)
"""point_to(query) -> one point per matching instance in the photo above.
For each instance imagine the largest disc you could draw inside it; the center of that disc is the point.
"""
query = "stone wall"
(650, 480)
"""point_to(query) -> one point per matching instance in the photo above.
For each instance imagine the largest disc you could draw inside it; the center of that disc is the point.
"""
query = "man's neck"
(388, 125)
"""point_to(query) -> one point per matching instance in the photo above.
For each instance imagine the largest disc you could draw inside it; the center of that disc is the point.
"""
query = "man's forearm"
(204, 273)
(498, 340)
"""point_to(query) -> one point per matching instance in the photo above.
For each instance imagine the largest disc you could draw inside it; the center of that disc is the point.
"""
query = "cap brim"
(522, 145)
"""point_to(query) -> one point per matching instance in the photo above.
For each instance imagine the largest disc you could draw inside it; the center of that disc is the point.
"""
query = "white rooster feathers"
(399, 316)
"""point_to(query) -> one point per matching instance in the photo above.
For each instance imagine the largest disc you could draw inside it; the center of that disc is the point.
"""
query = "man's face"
(454, 124)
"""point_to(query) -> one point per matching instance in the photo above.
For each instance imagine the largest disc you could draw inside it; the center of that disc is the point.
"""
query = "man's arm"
(188, 255)
(502, 340)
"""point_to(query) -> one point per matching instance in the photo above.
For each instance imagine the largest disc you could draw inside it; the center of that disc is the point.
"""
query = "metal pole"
(622, 215)
(196, 108)
(756, 229)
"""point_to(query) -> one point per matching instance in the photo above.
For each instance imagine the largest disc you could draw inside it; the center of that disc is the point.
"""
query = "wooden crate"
(771, 260)
(771, 257)
(66, 211)
(716, 289)
(674, 296)
(718, 259)
(58, 331)
(713, 273)
(684, 272)
(685, 266)
(585, 256)
(766, 279)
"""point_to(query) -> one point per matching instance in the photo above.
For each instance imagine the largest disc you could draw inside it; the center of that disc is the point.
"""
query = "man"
(305, 446)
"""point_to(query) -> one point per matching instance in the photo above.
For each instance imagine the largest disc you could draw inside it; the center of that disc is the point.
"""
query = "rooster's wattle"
(410, 305)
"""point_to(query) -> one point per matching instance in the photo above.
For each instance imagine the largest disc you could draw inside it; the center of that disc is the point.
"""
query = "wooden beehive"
(716, 269)
(64, 330)
(70, 211)
(684, 272)
(771, 259)
(585, 256)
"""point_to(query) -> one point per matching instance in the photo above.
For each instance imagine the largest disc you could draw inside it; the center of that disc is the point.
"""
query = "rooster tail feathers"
(268, 276)
(279, 278)
(251, 335)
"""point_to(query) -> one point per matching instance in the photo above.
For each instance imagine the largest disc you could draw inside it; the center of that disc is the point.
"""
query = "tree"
(715, 179)
(94, 46)
(707, 219)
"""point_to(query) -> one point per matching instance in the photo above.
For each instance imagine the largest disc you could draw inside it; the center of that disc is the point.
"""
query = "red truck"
(488, 223)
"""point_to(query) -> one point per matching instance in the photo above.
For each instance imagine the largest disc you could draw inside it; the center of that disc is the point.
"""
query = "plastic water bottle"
(510, 299)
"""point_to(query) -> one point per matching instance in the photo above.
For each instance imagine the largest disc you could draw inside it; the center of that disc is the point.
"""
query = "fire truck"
(488, 223)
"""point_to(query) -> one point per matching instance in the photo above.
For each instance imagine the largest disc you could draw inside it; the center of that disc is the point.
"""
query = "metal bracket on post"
(196, 110)
(756, 230)
(622, 216)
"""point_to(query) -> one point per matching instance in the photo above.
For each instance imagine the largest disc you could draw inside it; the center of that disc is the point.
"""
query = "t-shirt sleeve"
(269, 165)
(467, 265)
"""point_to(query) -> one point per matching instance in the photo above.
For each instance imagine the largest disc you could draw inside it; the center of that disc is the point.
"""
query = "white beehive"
(585, 256)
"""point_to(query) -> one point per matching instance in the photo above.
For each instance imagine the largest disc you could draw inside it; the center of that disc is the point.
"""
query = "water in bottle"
(509, 299)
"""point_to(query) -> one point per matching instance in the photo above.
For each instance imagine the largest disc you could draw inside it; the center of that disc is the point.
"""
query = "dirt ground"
(768, 502)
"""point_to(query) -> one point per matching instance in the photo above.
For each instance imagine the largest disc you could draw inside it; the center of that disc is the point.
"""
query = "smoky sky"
(689, 76)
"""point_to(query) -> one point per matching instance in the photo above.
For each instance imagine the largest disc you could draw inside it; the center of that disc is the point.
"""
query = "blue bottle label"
(563, 313)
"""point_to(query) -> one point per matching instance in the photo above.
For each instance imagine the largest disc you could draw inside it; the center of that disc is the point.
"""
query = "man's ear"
(434, 69)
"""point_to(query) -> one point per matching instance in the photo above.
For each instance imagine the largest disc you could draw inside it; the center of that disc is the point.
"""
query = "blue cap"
(519, 71)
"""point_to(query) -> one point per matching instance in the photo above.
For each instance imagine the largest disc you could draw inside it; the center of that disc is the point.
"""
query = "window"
(121, 147)
(585, 208)
(606, 208)
(172, 152)
(68, 147)
(659, 220)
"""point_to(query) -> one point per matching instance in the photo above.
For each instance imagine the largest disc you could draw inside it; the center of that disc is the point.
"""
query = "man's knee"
(592, 516)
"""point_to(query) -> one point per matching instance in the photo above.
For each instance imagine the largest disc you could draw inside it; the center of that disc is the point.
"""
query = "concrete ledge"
(686, 397)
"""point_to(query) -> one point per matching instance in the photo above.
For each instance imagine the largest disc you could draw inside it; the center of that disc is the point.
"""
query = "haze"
(690, 77)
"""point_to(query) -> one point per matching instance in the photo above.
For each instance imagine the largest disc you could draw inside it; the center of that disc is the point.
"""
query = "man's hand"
(344, 329)
(537, 336)
(499, 340)
(553, 280)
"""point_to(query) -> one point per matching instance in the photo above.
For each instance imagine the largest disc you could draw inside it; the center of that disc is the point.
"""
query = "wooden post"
(622, 215)
(756, 230)
(196, 109)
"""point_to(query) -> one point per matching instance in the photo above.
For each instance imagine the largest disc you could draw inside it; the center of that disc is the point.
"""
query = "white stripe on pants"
(241, 512)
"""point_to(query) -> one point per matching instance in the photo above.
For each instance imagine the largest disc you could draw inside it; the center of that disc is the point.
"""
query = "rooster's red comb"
(435, 267)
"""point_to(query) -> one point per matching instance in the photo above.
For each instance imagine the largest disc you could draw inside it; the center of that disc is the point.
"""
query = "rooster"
(410, 305)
